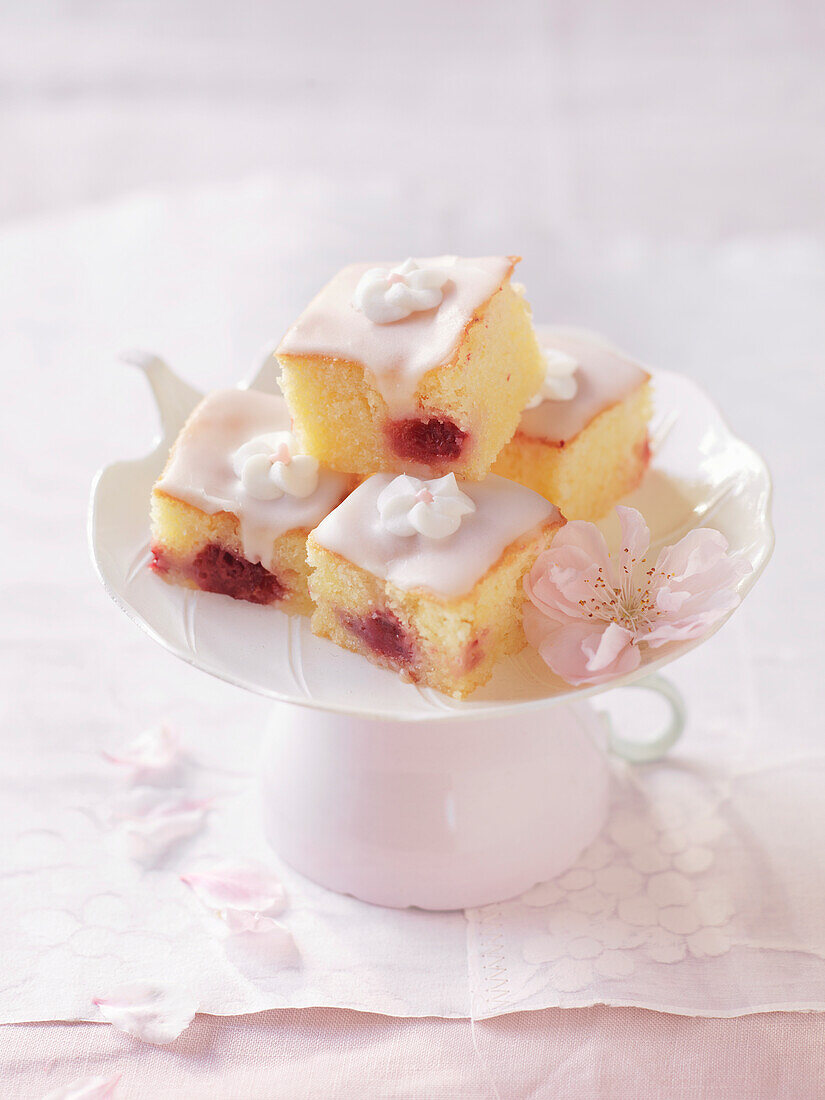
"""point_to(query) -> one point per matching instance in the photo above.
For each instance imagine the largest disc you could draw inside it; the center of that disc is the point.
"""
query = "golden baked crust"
(180, 532)
(342, 419)
(585, 476)
(451, 644)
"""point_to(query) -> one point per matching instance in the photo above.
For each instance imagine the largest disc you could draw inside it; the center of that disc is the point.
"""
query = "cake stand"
(393, 792)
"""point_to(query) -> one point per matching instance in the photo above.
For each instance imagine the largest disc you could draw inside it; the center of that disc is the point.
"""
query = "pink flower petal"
(699, 565)
(688, 627)
(588, 540)
(152, 819)
(564, 582)
(149, 839)
(264, 943)
(97, 1087)
(695, 586)
(537, 626)
(249, 888)
(605, 648)
(635, 538)
(695, 553)
(149, 1011)
(242, 920)
(669, 600)
(155, 750)
(145, 801)
(542, 589)
(569, 651)
(263, 935)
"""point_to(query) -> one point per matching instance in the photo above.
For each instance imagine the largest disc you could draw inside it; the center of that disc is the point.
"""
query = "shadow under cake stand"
(395, 793)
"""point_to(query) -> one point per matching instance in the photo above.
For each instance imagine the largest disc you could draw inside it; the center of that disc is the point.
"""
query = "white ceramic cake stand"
(395, 793)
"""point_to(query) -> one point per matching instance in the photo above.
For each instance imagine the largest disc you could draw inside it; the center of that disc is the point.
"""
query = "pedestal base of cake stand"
(446, 814)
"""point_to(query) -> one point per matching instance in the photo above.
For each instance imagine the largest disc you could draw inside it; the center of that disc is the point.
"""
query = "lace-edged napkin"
(703, 896)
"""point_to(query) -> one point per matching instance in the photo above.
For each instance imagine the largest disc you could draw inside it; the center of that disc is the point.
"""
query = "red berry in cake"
(426, 441)
(216, 569)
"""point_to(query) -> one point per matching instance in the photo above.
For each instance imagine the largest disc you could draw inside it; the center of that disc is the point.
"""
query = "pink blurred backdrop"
(664, 119)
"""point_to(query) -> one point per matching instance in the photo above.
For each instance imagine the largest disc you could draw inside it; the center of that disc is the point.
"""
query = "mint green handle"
(644, 752)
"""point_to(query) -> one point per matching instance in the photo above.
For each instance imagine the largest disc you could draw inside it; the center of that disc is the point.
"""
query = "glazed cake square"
(438, 604)
(587, 451)
(233, 507)
(436, 390)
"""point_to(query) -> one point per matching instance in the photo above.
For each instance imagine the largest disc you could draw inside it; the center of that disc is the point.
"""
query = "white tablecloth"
(76, 673)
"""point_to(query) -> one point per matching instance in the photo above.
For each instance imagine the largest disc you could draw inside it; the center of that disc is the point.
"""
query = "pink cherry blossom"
(589, 613)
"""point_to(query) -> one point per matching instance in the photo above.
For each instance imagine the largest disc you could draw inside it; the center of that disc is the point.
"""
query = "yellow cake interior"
(455, 643)
(585, 476)
(180, 532)
(342, 420)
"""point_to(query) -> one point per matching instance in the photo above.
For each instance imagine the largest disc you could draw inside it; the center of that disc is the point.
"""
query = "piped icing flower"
(589, 613)
(271, 466)
(560, 382)
(409, 506)
(390, 294)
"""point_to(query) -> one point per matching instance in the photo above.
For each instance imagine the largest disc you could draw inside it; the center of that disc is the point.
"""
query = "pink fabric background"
(331, 1054)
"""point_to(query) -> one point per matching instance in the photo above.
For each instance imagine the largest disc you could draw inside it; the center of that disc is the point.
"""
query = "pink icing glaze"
(200, 470)
(605, 377)
(396, 356)
(450, 566)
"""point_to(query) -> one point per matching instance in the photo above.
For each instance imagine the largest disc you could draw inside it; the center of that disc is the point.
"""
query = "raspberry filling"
(426, 440)
(159, 563)
(216, 569)
(473, 654)
(384, 635)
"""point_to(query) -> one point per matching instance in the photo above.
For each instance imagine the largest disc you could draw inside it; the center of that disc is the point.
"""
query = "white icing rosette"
(386, 294)
(559, 378)
(409, 506)
(271, 466)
